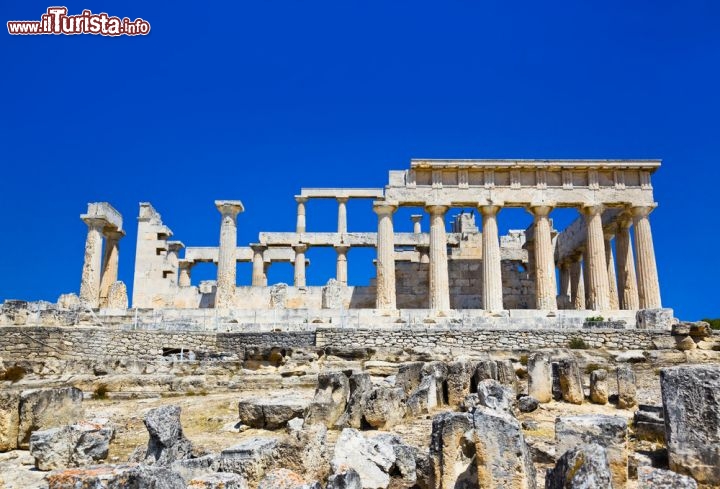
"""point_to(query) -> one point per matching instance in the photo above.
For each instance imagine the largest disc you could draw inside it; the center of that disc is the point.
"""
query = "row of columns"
(605, 291)
(301, 223)
(100, 270)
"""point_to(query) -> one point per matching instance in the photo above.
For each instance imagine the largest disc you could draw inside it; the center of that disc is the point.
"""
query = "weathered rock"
(571, 382)
(409, 376)
(70, 446)
(332, 295)
(9, 419)
(384, 407)
(506, 374)
(685, 343)
(331, 398)
(305, 451)
(439, 370)
(527, 404)
(631, 356)
(650, 478)
(598, 386)
(218, 480)
(360, 387)
(424, 398)
(123, 476)
(47, 408)
(648, 423)
(285, 479)
(610, 432)
(167, 442)
(691, 403)
(459, 377)
(539, 377)
(117, 296)
(494, 395)
(251, 459)
(484, 370)
(196, 468)
(371, 459)
(626, 387)
(655, 319)
(270, 414)
(582, 467)
(557, 393)
(69, 302)
(699, 329)
(469, 404)
(452, 452)
(346, 479)
(497, 434)
(403, 473)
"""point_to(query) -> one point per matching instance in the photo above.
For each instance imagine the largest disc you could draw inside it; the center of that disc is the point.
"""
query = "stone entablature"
(469, 267)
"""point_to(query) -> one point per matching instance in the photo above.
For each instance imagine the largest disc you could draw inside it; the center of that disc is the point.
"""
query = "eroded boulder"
(539, 377)
(75, 445)
(345, 479)
(167, 442)
(459, 379)
(582, 467)
(626, 387)
(494, 395)
(571, 382)
(218, 480)
(371, 459)
(651, 478)
(121, 476)
(599, 386)
(41, 409)
(384, 407)
(330, 400)
(452, 452)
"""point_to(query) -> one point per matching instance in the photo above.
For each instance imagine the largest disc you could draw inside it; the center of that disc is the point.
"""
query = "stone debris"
(218, 480)
(116, 477)
(270, 414)
(626, 384)
(285, 479)
(167, 442)
(47, 408)
(539, 377)
(527, 404)
(610, 432)
(691, 408)
(384, 407)
(571, 382)
(651, 478)
(494, 395)
(648, 423)
(583, 467)
(75, 445)
(346, 479)
(599, 387)
(331, 398)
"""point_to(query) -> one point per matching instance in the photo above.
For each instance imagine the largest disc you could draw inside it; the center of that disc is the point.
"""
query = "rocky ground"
(214, 396)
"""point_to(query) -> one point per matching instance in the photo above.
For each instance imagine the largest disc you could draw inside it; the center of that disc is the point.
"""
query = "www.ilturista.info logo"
(57, 21)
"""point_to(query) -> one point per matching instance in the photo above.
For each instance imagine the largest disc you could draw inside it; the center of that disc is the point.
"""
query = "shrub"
(595, 319)
(523, 359)
(591, 367)
(100, 392)
(13, 374)
(577, 344)
(714, 323)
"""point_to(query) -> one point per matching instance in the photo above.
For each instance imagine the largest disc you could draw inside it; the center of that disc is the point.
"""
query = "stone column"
(577, 283)
(546, 284)
(300, 226)
(439, 282)
(627, 282)
(266, 269)
(612, 279)
(258, 265)
(184, 278)
(227, 259)
(90, 283)
(110, 263)
(342, 215)
(416, 220)
(647, 276)
(385, 264)
(598, 284)
(564, 301)
(492, 277)
(341, 271)
(300, 250)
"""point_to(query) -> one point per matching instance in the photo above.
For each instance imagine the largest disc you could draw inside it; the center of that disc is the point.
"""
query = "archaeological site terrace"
(591, 272)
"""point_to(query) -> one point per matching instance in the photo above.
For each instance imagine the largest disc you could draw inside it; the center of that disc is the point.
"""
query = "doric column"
(300, 250)
(612, 280)
(439, 283)
(577, 283)
(90, 283)
(110, 263)
(492, 278)
(564, 301)
(227, 259)
(545, 283)
(647, 277)
(300, 226)
(342, 215)
(258, 264)
(598, 284)
(416, 220)
(184, 278)
(627, 281)
(341, 271)
(266, 269)
(385, 264)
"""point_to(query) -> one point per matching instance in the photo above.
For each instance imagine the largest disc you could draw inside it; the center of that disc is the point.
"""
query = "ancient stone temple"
(468, 270)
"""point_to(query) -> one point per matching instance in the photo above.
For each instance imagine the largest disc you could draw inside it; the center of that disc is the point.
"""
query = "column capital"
(341, 249)
(300, 247)
(624, 220)
(186, 264)
(175, 246)
(384, 207)
(258, 247)
(540, 210)
(342, 200)
(642, 210)
(592, 209)
(94, 222)
(435, 208)
(113, 233)
(301, 199)
(489, 209)
(416, 217)
(229, 207)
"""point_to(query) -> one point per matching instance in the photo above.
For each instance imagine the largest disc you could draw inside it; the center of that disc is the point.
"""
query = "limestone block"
(384, 407)
(270, 414)
(408, 376)
(506, 374)
(116, 476)
(70, 446)
(691, 403)
(648, 423)
(332, 295)
(218, 480)
(331, 398)
(485, 369)
(599, 386)
(651, 478)
(458, 381)
(424, 398)
(452, 451)
(345, 479)
(371, 459)
(9, 419)
(492, 394)
(610, 432)
(46, 408)
(360, 387)
(527, 404)
(193, 468)
(582, 467)
(278, 296)
(626, 387)
(496, 434)
(439, 370)
(251, 459)
(305, 450)
(655, 319)
(117, 296)
(571, 383)
(69, 302)
(539, 377)
(167, 442)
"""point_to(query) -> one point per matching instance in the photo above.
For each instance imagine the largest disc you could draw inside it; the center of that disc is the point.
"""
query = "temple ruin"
(469, 271)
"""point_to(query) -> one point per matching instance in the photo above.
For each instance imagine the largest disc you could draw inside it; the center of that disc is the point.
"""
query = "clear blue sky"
(253, 100)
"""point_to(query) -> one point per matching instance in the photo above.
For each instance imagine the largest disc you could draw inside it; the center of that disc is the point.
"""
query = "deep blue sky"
(253, 100)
